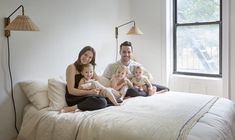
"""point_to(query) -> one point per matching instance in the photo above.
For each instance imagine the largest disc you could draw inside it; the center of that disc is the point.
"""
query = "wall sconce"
(20, 23)
(133, 31)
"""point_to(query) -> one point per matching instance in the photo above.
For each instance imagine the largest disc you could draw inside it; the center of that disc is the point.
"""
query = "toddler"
(141, 82)
(120, 82)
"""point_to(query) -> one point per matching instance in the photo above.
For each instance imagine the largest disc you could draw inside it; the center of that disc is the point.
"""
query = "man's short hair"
(126, 43)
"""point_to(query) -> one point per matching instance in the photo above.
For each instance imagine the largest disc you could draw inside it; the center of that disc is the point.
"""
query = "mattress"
(167, 116)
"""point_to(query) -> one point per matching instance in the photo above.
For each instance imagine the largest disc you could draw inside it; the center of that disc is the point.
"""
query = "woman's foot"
(69, 109)
(77, 110)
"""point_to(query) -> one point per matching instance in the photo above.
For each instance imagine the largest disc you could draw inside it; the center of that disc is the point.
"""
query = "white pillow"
(36, 92)
(56, 93)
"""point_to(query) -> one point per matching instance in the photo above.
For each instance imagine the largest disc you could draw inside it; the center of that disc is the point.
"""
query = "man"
(126, 51)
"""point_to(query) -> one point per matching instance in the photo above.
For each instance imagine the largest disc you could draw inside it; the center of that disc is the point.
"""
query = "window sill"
(196, 77)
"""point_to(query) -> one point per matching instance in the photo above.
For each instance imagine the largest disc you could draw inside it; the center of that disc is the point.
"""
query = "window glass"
(197, 37)
(190, 11)
(198, 49)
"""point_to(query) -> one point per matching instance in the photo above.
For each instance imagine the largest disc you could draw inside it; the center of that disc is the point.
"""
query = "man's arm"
(109, 71)
(148, 75)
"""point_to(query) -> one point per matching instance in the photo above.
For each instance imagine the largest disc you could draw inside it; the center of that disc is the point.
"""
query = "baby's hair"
(87, 66)
(123, 68)
(138, 67)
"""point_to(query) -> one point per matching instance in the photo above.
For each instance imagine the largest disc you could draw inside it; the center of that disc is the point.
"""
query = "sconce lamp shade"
(22, 23)
(134, 31)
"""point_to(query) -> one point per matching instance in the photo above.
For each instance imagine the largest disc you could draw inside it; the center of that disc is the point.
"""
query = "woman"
(78, 99)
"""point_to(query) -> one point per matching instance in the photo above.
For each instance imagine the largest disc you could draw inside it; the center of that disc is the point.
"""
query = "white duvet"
(168, 116)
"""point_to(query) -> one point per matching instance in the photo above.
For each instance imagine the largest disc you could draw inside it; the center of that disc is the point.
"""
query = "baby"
(141, 82)
(120, 82)
(87, 83)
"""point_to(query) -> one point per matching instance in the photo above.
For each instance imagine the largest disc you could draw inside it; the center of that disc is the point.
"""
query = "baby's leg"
(107, 93)
(123, 92)
(116, 94)
(98, 85)
(152, 90)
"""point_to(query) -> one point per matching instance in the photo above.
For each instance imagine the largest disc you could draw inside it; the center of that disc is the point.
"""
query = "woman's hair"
(78, 63)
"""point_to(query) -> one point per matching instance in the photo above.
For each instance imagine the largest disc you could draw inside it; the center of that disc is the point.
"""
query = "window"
(197, 37)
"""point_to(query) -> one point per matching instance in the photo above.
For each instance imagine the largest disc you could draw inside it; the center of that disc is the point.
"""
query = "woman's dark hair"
(78, 63)
(126, 43)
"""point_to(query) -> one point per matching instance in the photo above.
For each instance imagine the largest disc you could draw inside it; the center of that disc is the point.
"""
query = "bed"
(166, 116)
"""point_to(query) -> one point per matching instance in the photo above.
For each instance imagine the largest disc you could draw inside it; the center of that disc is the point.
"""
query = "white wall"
(65, 27)
(148, 47)
(232, 49)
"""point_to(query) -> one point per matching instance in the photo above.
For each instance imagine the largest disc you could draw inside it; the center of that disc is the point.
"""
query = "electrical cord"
(11, 81)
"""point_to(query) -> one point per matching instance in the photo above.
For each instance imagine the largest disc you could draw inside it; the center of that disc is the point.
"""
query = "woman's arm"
(70, 78)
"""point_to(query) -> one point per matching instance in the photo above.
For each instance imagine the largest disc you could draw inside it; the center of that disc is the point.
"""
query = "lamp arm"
(126, 24)
(116, 28)
(21, 6)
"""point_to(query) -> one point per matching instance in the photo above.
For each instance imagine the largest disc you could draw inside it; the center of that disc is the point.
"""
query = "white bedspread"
(167, 116)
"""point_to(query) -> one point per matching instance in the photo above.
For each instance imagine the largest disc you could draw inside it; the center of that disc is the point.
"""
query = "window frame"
(175, 25)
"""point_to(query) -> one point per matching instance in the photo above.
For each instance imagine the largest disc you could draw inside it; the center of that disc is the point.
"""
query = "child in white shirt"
(141, 82)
